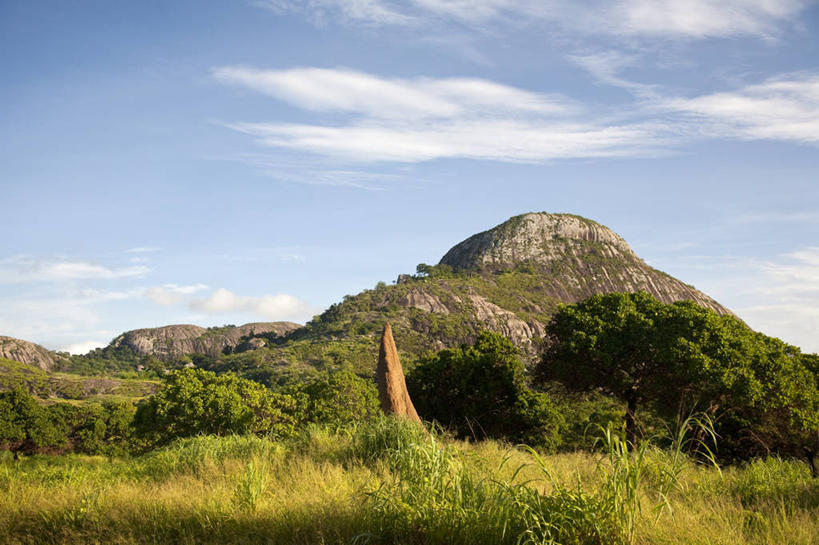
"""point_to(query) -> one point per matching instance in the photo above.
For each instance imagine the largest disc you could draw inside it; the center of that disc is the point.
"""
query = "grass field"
(390, 482)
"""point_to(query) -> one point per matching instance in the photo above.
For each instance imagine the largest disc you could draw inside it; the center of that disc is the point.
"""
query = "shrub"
(194, 402)
(480, 391)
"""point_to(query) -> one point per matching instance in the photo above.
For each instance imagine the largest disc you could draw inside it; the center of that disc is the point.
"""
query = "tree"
(676, 358)
(481, 390)
(195, 401)
(25, 424)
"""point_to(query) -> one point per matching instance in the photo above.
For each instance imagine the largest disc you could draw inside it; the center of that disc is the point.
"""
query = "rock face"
(27, 352)
(173, 341)
(392, 388)
(584, 258)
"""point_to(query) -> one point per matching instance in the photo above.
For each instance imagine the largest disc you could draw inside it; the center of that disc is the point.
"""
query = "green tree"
(679, 357)
(481, 391)
(24, 423)
(195, 401)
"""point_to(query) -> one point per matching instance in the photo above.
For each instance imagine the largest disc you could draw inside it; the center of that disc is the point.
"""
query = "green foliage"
(14, 374)
(25, 425)
(104, 428)
(195, 401)
(481, 391)
(337, 398)
(678, 357)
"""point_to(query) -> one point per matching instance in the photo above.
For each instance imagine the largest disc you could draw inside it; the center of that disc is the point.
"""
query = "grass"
(391, 482)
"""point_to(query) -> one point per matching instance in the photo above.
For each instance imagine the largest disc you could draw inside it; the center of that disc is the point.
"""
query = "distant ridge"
(172, 341)
(27, 352)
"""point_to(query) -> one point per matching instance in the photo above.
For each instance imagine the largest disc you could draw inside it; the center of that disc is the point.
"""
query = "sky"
(226, 162)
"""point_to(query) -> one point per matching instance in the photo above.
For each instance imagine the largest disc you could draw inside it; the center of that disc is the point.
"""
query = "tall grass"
(392, 482)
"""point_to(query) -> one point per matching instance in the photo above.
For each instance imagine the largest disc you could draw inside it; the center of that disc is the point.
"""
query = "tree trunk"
(631, 422)
(811, 453)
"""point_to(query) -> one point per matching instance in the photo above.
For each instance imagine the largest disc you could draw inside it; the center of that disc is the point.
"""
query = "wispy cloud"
(781, 108)
(26, 269)
(349, 91)
(784, 107)
(143, 250)
(401, 120)
(274, 307)
(666, 19)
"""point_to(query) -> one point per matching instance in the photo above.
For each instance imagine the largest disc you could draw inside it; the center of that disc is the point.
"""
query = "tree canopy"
(480, 391)
(195, 401)
(677, 358)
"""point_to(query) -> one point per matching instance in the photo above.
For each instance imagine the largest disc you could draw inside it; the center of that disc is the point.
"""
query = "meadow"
(388, 481)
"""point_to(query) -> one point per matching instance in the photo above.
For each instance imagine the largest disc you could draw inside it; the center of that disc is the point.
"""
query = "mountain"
(592, 258)
(172, 341)
(509, 279)
(27, 352)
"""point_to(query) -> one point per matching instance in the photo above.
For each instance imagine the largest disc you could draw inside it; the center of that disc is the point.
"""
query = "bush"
(195, 402)
(337, 398)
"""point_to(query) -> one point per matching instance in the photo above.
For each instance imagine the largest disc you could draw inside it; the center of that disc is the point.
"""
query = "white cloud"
(500, 140)
(82, 347)
(425, 119)
(322, 89)
(274, 307)
(172, 294)
(143, 250)
(691, 19)
(375, 12)
(26, 269)
(782, 108)
(785, 107)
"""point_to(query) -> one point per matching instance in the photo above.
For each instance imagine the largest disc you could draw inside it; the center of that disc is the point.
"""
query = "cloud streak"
(27, 269)
(782, 108)
(423, 119)
(665, 19)
(401, 120)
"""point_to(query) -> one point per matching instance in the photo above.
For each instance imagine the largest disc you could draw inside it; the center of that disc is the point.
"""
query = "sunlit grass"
(389, 482)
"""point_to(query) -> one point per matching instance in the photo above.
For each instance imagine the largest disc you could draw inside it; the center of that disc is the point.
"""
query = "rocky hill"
(27, 352)
(585, 257)
(510, 279)
(173, 341)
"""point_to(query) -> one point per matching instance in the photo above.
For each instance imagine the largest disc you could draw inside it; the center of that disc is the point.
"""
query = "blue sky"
(226, 162)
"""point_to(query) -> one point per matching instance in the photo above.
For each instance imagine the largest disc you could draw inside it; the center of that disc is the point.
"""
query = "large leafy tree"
(480, 390)
(679, 357)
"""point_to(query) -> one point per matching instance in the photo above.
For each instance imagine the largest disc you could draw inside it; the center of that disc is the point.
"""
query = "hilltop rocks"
(536, 237)
(173, 341)
(577, 257)
(392, 388)
(27, 352)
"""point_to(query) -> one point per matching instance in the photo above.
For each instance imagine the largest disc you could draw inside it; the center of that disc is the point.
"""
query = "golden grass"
(318, 490)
